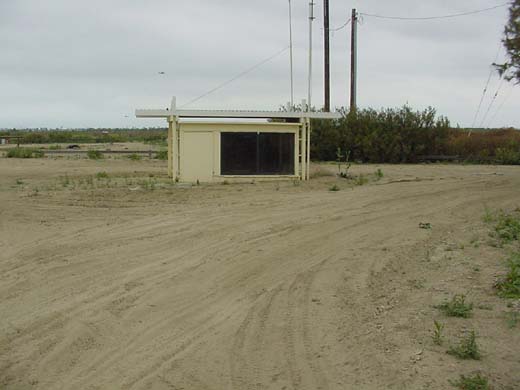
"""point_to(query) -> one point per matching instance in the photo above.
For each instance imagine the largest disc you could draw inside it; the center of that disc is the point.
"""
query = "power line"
(492, 102)
(491, 71)
(247, 71)
(436, 17)
(508, 95)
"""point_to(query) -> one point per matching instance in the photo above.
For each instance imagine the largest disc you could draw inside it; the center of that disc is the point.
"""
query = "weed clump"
(134, 157)
(475, 382)
(25, 153)
(457, 307)
(361, 180)
(437, 333)
(509, 286)
(94, 155)
(334, 188)
(508, 227)
(101, 175)
(467, 349)
(162, 155)
(379, 174)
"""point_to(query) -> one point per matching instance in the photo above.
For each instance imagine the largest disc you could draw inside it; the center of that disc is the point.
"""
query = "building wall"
(199, 149)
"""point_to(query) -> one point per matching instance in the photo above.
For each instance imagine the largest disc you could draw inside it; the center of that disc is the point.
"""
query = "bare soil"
(130, 282)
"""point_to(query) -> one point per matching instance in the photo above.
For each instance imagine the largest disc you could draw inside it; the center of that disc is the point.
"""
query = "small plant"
(334, 188)
(509, 286)
(437, 333)
(512, 318)
(101, 175)
(94, 155)
(508, 227)
(457, 307)
(379, 174)
(54, 147)
(24, 153)
(361, 180)
(162, 155)
(65, 181)
(467, 348)
(488, 215)
(425, 225)
(19, 182)
(475, 382)
(134, 157)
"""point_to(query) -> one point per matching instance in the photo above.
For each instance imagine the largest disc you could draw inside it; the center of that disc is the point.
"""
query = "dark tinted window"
(257, 153)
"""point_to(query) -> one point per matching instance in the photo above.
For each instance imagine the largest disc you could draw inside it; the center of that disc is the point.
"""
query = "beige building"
(215, 145)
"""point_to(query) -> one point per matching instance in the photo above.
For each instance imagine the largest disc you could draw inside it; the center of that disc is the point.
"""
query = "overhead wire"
(242, 74)
(435, 17)
(492, 101)
(507, 96)
(491, 71)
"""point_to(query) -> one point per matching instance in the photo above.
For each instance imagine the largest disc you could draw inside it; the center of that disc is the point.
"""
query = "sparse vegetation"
(509, 286)
(94, 155)
(361, 180)
(467, 348)
(457, 307)
(134, 157)
(437, 336)
(379, 174)
(334, 188)
(101, 175)
(512, 318)
(508, 226)
(474, 382)
(24, 153)
(162, 155)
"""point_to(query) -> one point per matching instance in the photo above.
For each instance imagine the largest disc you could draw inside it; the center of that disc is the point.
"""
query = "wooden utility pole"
(326, 24)
(353, 61)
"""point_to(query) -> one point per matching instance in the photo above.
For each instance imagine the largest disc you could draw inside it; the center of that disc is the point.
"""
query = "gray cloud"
(77, 64)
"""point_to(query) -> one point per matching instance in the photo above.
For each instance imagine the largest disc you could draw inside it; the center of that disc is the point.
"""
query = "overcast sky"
(77, 63)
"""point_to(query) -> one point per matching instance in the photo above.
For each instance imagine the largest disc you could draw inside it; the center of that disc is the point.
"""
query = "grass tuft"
(94, 155)
(437, 336)
(467, 348)
(162, 155)
(457, 307)
(509, 286)
(508, 227)
(334, 188)
(134, 157)
(101, 175)
(475, 382)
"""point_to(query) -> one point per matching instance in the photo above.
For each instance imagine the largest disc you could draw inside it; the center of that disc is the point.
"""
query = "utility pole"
(326, 25)
(353, 61)
(311, 19)
(291, 54)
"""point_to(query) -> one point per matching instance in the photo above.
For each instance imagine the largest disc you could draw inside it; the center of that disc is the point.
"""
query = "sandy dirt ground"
(128, 282)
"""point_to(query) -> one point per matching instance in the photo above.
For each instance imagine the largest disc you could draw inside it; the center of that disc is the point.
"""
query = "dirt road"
(264, 286)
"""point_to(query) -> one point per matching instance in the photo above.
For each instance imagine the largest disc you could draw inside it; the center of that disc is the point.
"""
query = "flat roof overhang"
(234, 114)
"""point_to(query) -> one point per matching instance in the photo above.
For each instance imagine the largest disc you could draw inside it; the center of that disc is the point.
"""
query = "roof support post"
(172, 127)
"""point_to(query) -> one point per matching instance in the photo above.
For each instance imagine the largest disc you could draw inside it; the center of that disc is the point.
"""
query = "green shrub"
(94, 155)
(24, 153)
(475, 382)
(162, 155)
(467, 349)
(507, 156)
(457, 307)
(509, 286)
(379, 174)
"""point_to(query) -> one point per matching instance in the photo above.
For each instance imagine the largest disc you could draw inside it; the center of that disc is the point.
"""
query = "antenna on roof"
(291, 53)
(311, 19)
